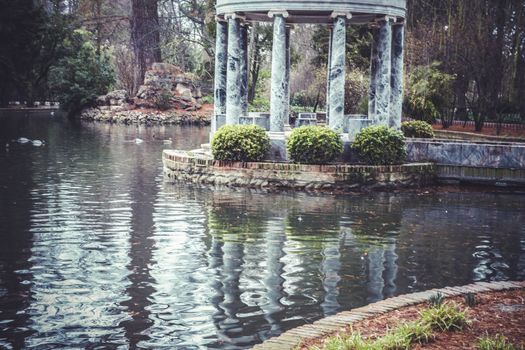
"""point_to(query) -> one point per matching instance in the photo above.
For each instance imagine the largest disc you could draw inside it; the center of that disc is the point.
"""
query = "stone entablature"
(313, 11)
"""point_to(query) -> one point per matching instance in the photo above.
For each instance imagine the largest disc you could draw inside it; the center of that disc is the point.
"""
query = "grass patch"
(400, 338)
(497, 342)
(445, 317)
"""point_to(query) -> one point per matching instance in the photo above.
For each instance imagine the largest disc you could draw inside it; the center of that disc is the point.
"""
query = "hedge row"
(375, 145)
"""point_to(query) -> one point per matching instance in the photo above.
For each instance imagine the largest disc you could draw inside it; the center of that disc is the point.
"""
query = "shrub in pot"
(380, 145)
(314, 145)
(244, 143)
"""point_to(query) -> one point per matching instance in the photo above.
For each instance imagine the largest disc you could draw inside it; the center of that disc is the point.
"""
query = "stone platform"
(197, 166)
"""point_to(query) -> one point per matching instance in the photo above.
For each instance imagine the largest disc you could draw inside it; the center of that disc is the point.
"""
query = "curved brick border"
(199, 167)
(330, 324)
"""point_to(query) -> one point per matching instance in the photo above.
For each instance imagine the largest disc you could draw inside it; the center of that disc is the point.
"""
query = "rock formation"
(174, 97)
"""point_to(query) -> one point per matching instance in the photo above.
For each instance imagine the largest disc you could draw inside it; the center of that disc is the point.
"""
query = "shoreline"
(326, 326)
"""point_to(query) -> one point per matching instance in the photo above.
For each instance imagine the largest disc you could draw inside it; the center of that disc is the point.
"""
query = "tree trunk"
(145, 37)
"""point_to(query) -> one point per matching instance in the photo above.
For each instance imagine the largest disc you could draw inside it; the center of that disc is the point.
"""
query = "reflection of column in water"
(232, 268)
(382, 273)
(273, 280)
(215, 263)
(143, 193)
(390, 272)
(330, 268)
(375, 284)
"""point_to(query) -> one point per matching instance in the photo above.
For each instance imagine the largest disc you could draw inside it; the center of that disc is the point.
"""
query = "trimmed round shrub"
(380, 145)
(244, 143)
(417, 128)
(314, 145)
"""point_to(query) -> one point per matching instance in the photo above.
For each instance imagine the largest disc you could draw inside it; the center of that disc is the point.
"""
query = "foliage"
(358, 46)
(485, 53)
(353, 341)
(31, 40)
(445, 317)
(436, 299)
(417, 128)
(470, 299)
(245, 143)
(162, 99)
(82, 74)
(308, 86)
(259, 104)
(497, 342)
(380, 145)
(429, 92)
(417, 332)
(207, 99)
(399, 338)
(314, 145)
(356, 90)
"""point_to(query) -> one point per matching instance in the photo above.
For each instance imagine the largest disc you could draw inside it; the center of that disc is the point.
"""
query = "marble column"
(330, 36)
(244, 69)
(396, 81)
(373, 73)
(221, 60)
(278, 102)
(233, 79)
(383, 72)
(287, 76)
(337, 74)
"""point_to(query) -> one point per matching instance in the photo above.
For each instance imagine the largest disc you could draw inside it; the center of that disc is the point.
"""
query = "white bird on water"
(138, 141)
(37, 143)
(23, 140)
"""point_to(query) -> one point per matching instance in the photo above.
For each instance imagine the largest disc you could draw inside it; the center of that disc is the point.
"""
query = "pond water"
(98, 252)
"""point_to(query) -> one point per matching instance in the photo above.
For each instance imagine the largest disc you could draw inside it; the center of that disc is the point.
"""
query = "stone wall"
(201, 168)
(472, 154)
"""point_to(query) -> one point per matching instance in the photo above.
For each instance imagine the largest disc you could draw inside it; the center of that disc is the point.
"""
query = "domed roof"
(310, 11)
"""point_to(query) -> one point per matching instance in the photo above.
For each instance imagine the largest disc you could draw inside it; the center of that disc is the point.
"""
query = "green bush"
(82, 75)
(379, 145)
(417, 128)
(314, 145)
(430, 91)
(245, 143)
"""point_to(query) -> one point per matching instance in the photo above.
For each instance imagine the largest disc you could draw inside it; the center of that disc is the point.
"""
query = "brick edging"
(330, 324)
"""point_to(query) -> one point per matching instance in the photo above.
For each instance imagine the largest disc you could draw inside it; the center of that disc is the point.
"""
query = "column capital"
(385, 19)
(220, 19)
(336, 14)
(234, 15)
(273, 13)
(399, 22)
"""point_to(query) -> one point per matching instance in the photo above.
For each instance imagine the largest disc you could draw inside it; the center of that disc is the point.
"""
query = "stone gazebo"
(386, 19)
